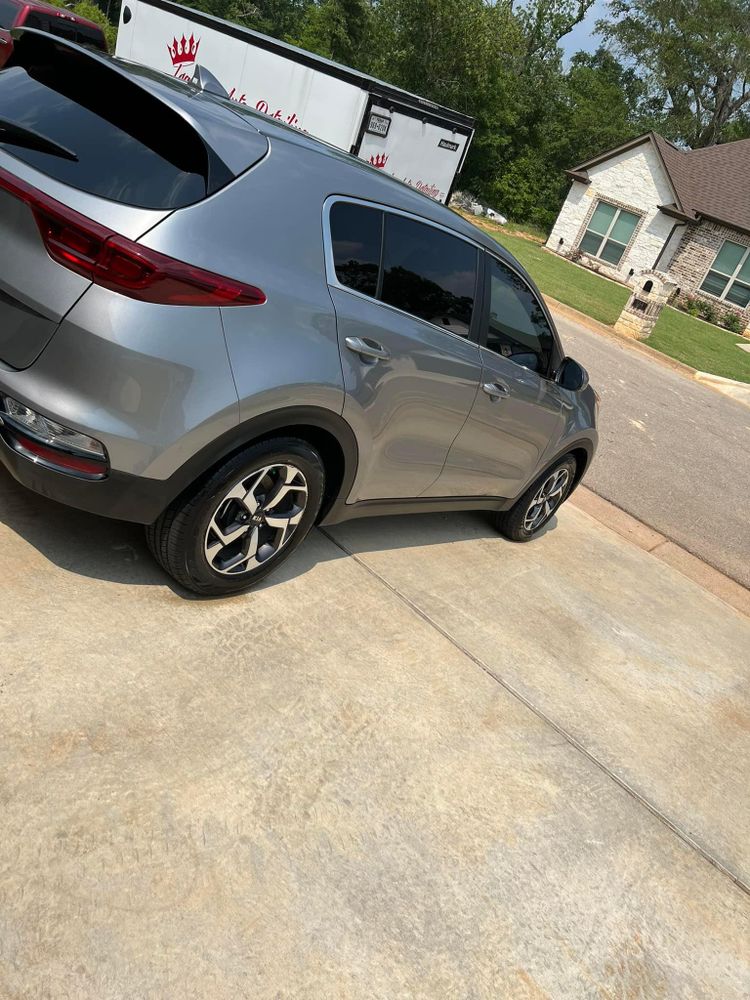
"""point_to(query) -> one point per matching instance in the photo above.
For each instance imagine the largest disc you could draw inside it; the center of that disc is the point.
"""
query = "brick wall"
(695, 255)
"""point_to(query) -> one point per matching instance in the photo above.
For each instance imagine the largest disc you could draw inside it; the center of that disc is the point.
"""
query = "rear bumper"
(120, 496)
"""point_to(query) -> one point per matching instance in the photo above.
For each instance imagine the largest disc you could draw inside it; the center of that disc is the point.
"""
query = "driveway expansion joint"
(641, 799)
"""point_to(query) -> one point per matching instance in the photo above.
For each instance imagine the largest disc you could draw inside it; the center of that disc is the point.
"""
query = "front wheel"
(540, 501)
(243, 522)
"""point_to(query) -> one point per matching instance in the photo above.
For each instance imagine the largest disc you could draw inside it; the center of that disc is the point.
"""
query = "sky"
(583, 35)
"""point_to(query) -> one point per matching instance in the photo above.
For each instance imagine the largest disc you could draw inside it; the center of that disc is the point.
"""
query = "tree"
(695, 55)
(336, 29)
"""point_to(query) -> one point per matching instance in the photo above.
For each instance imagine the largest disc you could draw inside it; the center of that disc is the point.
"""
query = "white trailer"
(413, 139)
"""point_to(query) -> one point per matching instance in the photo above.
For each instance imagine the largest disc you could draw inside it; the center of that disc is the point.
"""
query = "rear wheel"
(242, 523)
(540, 501)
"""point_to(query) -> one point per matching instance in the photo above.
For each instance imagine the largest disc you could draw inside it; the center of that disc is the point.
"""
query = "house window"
(609, 232)
(729, 277)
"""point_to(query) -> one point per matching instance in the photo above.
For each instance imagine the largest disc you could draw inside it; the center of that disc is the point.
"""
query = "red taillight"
(120, 264)
(60, 459)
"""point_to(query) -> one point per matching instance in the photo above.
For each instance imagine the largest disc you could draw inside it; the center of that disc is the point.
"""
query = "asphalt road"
(673, 453)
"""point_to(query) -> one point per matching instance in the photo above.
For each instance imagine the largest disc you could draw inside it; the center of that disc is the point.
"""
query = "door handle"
(496, 390)
(368, 349)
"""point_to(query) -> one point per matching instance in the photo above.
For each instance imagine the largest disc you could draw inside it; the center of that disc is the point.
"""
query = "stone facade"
(695, 255)
(651, 293)
(634, 180)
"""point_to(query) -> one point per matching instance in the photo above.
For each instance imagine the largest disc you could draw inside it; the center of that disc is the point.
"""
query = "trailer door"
(414, 146)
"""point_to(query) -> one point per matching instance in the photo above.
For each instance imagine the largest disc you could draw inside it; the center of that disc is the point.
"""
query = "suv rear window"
(130, 146)
(66, 27)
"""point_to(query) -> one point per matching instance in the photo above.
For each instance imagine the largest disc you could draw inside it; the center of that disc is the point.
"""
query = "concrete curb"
(712, 381)
(729, 386)
(607, 331)
(629, 527)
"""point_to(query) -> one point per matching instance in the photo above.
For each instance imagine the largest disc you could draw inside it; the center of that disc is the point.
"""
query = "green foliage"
(337, 29)
(732, 322)
(707, 311)
(690, 305)
(695, 57)
(501, 62)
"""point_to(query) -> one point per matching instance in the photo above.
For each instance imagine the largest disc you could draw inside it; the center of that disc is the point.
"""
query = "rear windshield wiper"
(14, 134)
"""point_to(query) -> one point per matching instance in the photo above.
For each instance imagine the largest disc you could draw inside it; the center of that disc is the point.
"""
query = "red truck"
(56, 20)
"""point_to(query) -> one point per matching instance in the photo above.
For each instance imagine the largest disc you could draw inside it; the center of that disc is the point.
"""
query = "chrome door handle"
(496, 390)
(368, 349)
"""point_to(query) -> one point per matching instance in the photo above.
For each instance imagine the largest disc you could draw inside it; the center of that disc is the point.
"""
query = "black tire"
(183, 535)
(520, 523)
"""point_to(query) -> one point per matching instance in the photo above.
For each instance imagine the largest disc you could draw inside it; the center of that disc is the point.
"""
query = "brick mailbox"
(651, 293)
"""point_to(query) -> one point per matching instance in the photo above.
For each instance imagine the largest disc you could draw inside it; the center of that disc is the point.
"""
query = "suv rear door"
(518, 412)
(404, 292)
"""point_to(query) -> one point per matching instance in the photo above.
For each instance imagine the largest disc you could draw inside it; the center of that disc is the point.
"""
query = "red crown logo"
(379, 160)
(183, 51)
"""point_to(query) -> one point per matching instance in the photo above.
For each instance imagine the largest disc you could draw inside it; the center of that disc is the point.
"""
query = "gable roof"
(711, 183)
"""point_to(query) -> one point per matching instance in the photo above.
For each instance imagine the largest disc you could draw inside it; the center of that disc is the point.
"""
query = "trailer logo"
(183, 51)
(447, 144)
(379, 160)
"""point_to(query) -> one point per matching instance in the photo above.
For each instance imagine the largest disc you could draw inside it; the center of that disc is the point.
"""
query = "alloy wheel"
(547, 499)
(256, 519)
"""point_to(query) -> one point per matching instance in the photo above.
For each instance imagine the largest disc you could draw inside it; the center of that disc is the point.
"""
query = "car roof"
(365, 181)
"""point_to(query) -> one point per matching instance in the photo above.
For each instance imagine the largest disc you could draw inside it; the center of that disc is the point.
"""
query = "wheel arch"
(325, 430)
(582, 450)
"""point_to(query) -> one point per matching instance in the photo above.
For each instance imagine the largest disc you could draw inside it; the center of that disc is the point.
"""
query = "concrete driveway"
(422, 762)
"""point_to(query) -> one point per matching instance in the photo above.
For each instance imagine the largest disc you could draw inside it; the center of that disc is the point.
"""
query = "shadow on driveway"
(116, 551)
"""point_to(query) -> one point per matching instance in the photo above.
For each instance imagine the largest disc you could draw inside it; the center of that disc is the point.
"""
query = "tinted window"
(356, 233)
(518, 328)
(131, 147)
(36, 20)
(429, 273)
(8, 13)
(86, 35)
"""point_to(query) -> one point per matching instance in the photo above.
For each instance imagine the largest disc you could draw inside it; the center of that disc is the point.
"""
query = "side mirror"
(571, 375)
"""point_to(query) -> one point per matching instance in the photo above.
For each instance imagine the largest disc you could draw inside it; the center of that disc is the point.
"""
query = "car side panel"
(265, 229)
(504, 440)
(405, 411)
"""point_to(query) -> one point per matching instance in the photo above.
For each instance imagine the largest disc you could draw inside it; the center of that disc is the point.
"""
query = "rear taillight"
(120, 264)
(49, 443)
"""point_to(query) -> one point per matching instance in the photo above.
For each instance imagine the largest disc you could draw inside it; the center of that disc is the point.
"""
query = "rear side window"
(407, 264)
(429, 273)
(130, 147)
(356, 233)
(8, 13)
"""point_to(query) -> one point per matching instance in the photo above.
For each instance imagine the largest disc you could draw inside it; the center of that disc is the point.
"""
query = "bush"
(732, 322)
(690, 305)
(707, 311)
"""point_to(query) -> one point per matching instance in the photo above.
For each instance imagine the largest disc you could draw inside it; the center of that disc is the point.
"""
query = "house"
(650, 205)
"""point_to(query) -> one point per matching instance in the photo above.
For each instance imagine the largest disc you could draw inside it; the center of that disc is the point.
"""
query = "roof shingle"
(713, 182)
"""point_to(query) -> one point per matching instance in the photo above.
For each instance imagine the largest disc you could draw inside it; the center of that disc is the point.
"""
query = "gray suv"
(227, 331)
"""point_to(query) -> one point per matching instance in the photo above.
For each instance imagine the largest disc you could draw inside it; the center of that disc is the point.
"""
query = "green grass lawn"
(700, 345)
